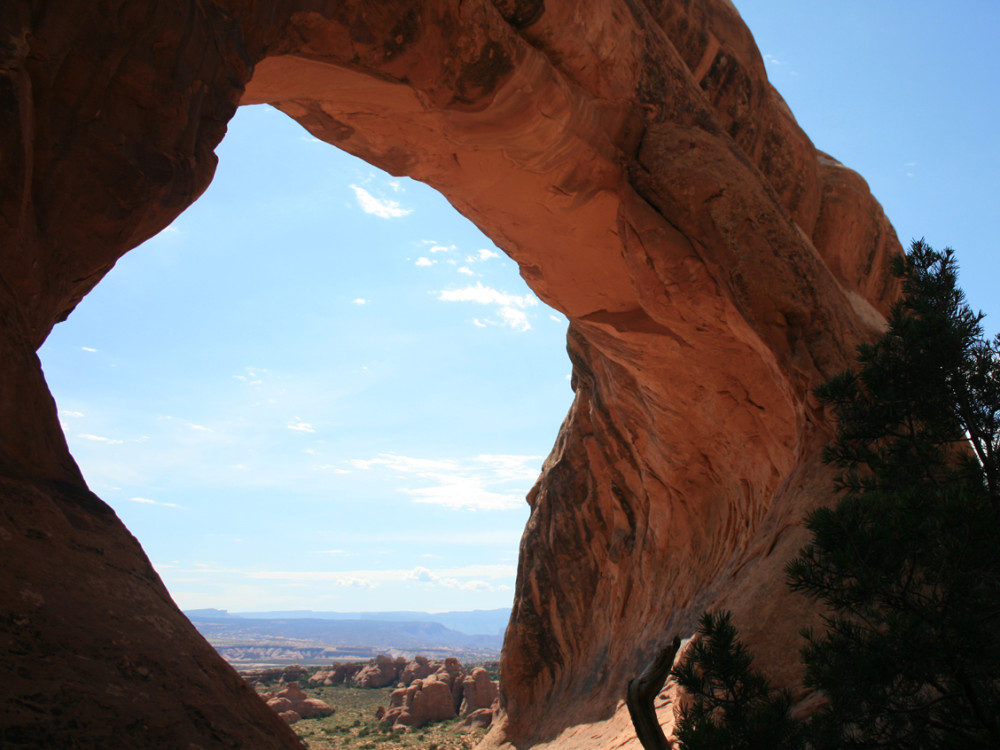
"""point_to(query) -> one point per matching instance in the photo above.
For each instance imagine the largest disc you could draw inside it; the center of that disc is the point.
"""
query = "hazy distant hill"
(317, 637)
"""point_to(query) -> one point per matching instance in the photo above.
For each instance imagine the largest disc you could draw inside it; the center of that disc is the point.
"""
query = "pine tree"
(908, 562)
(731, 705)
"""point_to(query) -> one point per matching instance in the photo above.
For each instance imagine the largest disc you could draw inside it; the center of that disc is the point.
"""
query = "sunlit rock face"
(634, 161)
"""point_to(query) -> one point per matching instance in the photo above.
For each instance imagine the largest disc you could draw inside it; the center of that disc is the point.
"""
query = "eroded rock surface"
(634, 161)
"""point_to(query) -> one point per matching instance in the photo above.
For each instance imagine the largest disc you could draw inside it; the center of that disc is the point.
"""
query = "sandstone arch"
(630, 156)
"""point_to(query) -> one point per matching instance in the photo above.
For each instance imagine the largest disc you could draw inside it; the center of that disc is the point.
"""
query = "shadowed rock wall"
(630, 156)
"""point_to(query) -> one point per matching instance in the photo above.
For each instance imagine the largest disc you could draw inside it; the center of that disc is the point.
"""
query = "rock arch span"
(634, 161)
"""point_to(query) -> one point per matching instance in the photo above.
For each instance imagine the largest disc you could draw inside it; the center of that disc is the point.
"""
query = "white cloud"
(467, 577)
(406, 464)
(75, 414)
(485, 254)
(382, 208)
(99, 439)
(88, 348)
(478, 323)
(511, 307)
(467, 271)
(465, 493)
(252, 376)
(772, 60)
(200, 428)
(147, 501)
(516, 319)
(422, 575)
(359, 301)
(442, 248)
(481, 483)
(353, 582)
(510, 467)
(486, 295)
(425, 262)
(475, 586)
(299, 426)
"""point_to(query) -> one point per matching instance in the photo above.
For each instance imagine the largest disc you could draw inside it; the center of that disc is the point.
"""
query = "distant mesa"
(250, 640)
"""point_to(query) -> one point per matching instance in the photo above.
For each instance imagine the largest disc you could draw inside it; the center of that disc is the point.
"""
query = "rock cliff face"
(630, 155)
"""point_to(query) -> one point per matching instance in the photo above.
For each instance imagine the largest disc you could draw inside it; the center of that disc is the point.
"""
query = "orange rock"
(417, 669)
(650, 183)
(293, 693)
(478, 691)
(425, 700)
(381, 672)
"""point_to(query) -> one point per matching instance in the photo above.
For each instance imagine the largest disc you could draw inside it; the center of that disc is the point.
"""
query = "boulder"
(418, 669)
(425, 700)
(311, 708)
(478, 692)
(293, 693)
(381, 672)
(338, 674)
(294, 701)
(279, 704)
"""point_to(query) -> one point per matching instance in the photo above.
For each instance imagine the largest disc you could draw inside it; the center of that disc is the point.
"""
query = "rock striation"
(635, 162)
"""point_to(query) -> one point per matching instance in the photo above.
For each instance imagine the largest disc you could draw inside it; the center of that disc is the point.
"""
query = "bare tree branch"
(641, 694)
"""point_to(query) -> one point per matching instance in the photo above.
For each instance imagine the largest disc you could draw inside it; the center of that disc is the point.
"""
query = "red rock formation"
(338, 675)
(382, 671)
(635, 162)
(294, 700)
(423, 701)
(417, 669)
(478, 692)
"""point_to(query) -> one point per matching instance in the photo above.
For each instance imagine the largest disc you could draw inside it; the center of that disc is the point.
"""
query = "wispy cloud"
(486, 295)
(147, 501)
(425, 262)
(359, 301)
(74, 414)
(380, 207)
(299, 426)
(516, 319)
(468, 577)
(100, 439)
(253, 376)
(510, 307)
(88, 349)
(480, 483)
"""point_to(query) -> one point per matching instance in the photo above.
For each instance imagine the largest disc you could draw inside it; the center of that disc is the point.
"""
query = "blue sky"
(323, 389)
